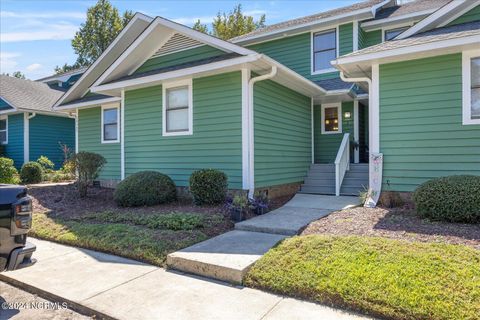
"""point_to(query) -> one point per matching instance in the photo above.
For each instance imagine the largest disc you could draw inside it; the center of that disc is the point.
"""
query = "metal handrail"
(342, 162)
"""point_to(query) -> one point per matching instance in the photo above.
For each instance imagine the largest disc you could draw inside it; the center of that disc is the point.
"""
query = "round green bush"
(31, 172)
(208, 186)
(8, 172)
(452, 199)
(145, 188)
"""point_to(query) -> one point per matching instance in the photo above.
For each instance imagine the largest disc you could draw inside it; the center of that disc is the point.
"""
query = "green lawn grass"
(147, 238)
(381, 277)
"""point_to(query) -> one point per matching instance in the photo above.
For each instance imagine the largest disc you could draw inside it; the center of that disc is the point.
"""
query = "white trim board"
(169, 85)
(109, 107)
(466, 87)
(89, 104)
(246, 74)
(406, 19)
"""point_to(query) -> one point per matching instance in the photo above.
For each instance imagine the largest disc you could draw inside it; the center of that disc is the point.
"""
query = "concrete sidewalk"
(113, 287)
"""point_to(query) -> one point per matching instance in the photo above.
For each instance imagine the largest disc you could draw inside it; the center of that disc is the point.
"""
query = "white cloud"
(8, 61)
(192, 20)
(48, 32)
(34, 66)
(43, 15)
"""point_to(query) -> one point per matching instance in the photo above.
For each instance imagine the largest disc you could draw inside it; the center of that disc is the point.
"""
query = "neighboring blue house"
(28, 126)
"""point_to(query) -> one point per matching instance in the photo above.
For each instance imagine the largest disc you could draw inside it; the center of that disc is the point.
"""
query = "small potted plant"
(260, 203)
(238, 207)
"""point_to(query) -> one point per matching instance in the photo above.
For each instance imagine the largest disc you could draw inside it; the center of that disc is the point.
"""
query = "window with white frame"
(110, 124)
(392, 33)
(331, 118)
(3, 130)
(324, 50)
(471, 87)
(177, 108)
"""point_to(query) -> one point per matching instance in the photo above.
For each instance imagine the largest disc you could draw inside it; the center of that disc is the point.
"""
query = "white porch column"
(374, 111)
(245, 129)
(356, 131)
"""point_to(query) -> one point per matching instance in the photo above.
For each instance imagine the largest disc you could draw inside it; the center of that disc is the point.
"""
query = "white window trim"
(466, 84)
(394, 27)
(337, 105)
(6, 130)
(111, 106)
(337, 44)
(169, 85)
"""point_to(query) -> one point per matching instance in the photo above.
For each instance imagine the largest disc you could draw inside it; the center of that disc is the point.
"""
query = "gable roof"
(154, 37)
(363, 10)
(440, 17)
(438, 41)
(28, 95)
(131, 31)
(63, 76)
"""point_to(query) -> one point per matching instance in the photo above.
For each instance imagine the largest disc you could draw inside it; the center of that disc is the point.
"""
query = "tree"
(16, 74)
(234, 24)
(103, 24)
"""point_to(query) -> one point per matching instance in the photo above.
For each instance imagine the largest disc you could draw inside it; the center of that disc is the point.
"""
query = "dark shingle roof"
(439, 34)
(71, 72)
(92, 97)
(27, 94)
(334, 84)
(409, 8)
(179, 66)
(311, 18)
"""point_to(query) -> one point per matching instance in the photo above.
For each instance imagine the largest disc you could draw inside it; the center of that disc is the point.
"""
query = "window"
(324, 50)
(177, 108)
(392, 33)
(3, 130)
(471, 87)
(110, 124)
(331, 118)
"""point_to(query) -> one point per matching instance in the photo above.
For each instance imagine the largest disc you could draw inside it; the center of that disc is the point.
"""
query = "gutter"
(251, 158)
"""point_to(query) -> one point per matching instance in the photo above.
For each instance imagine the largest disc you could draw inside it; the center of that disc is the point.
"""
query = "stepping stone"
(227, 257)
(283, 221)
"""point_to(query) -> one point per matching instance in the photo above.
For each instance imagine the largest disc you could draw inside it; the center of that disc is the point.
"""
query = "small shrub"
(31, 172)
(452, 199)
(145, 188)
(46, 163)
(8, 173)
(88, 165)
(208, 186)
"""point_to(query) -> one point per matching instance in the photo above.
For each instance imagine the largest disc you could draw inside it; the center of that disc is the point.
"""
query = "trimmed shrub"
(208, 186)
(31, 172)
(8, 172)
(88, 165)
(145, 188)
(452, 199)
(46, 163)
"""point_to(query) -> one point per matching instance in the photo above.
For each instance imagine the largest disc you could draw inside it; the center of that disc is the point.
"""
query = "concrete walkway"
(228, 257)
(112, 287)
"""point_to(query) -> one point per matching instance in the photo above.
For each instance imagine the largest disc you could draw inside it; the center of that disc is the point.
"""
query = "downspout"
(26, 136)
(251, 157)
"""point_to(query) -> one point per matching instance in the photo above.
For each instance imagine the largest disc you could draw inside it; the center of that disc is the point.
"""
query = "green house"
(29, 128)
(299, 105)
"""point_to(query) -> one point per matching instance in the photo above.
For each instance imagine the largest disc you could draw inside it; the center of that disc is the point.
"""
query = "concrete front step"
(226, 257)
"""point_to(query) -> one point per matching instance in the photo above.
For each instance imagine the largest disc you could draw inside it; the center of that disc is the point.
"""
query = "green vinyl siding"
(282, 127)
(368, 39)
(176, 58)
(421, 131)
(345, 40)
(217, 131)
(14, 147)
(89, 139)
(470, 16)
(293, 52)
(326, 145)
(46, 134)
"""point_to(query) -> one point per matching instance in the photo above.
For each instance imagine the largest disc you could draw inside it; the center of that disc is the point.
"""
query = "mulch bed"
(395, 223)
(63, 201)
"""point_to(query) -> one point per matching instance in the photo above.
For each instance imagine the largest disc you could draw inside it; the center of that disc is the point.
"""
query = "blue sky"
(35, 36)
